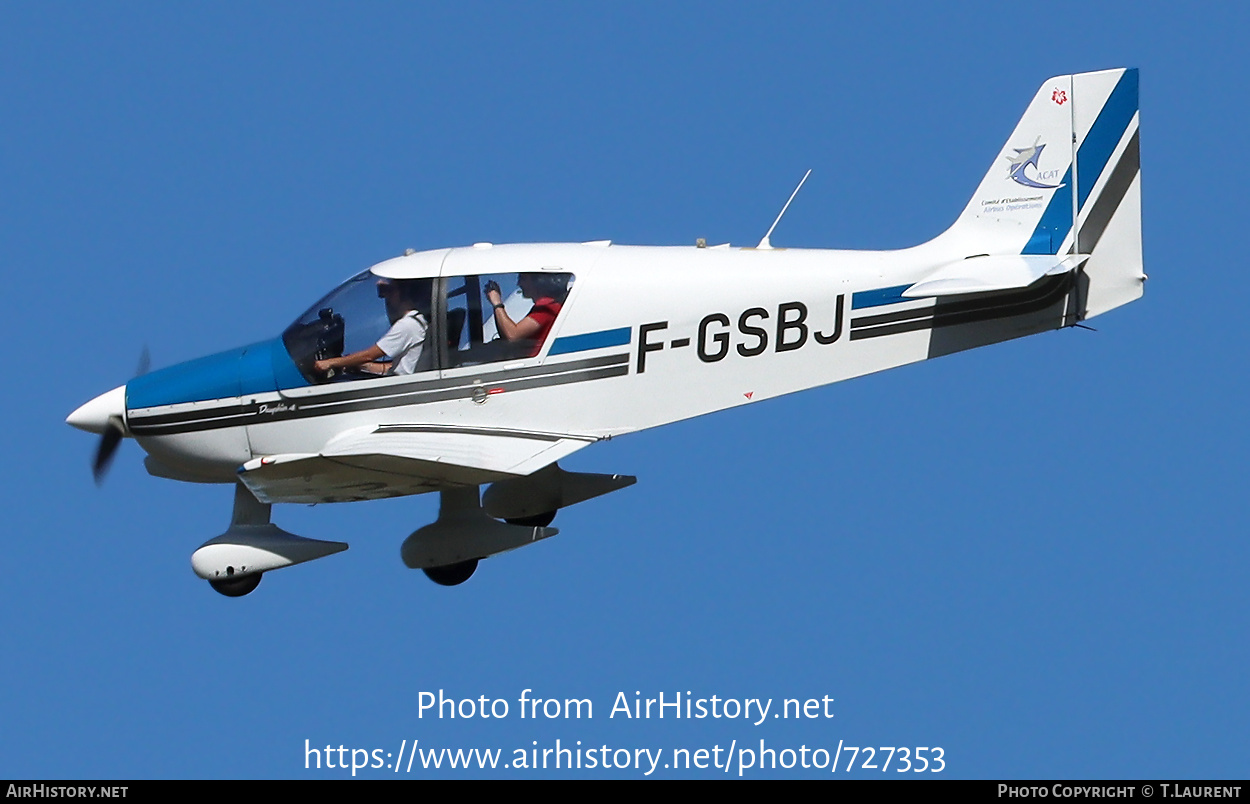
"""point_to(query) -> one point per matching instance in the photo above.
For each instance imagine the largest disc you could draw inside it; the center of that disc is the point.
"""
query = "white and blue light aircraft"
(598, 340)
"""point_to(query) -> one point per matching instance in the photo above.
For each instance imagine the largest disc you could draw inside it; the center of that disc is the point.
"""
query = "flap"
(986, 273)
(393, 460)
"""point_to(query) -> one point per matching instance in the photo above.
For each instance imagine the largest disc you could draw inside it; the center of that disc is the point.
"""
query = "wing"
(393, 460)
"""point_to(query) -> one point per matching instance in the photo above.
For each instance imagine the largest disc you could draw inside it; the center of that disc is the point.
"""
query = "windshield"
(349, 319)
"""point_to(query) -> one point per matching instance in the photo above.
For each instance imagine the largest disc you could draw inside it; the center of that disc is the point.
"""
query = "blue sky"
(1030, 555)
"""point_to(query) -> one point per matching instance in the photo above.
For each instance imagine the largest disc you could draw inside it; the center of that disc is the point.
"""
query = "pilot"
(548, 292)
(404, 342)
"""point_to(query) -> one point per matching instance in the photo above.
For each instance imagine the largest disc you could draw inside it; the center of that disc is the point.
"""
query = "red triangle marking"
(748, 394)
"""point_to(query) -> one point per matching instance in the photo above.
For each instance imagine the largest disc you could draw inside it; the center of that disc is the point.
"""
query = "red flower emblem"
(1059, 96)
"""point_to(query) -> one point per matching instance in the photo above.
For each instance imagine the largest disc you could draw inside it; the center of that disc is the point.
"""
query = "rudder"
(1108, 190)
(1074, 155)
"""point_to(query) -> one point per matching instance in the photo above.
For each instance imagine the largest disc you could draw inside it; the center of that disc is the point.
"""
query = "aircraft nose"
(94, 416)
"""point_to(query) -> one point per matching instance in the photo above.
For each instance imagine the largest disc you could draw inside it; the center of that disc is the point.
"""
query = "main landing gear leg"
(449, 549)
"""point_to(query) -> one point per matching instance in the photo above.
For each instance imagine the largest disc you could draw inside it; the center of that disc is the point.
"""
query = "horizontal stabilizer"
(985, 273)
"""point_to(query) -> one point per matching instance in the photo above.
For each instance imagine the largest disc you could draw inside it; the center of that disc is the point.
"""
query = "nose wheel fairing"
(251, 547)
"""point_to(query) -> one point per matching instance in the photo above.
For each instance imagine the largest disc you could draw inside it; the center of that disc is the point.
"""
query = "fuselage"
(650, 335)
(646, 336)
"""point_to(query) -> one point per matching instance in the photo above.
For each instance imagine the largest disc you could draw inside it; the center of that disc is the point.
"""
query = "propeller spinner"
(106, 415)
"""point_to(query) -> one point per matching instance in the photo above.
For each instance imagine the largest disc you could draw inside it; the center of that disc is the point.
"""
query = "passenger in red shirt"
(548, 292)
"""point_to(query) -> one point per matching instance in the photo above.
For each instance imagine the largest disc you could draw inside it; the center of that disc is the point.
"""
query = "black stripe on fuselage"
(234, 414)
(459, 429)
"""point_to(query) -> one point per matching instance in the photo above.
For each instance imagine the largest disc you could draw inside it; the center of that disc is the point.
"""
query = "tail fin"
(1073, 156)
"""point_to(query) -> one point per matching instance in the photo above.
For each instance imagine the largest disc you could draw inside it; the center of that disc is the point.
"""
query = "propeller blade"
(109, 442)
(111, 439)
(145, 362)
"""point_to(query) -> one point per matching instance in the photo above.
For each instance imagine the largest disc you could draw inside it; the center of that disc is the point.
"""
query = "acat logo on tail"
(1026, 157)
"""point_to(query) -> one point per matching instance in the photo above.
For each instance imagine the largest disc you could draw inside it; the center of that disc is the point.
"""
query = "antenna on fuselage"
(764, 244)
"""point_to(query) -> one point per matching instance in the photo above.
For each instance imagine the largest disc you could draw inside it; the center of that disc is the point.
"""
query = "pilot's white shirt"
(404, 341)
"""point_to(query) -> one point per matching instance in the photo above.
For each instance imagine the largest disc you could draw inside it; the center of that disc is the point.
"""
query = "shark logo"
(1024, 158)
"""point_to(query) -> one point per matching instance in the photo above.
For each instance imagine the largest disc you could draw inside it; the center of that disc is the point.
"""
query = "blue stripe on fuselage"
(591, 340)
(879, 297)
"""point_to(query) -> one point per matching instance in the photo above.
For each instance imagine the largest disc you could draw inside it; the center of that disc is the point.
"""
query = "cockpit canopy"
(460, 324)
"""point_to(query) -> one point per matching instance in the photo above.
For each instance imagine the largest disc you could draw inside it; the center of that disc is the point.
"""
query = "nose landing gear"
(236, 587)
(233, 562)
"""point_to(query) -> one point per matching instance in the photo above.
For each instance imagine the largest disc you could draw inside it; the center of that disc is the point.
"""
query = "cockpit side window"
(493, 317)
